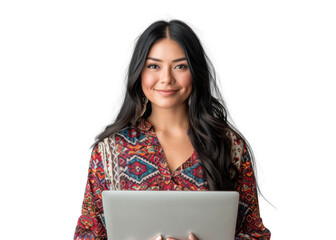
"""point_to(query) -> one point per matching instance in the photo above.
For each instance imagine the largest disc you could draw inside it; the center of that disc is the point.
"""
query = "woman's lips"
(166, 92)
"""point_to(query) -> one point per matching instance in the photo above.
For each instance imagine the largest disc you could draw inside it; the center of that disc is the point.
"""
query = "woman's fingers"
(158, 238)
(192, 237)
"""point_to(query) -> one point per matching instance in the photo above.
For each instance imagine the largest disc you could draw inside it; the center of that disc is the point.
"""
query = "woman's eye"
(181, 66)
(153, 66)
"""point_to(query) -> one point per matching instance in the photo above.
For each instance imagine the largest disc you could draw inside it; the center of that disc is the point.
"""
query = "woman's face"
(165, 77)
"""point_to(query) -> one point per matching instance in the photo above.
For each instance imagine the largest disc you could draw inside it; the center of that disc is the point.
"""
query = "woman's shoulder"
(108, 149)
(238, 146)
(120, 138)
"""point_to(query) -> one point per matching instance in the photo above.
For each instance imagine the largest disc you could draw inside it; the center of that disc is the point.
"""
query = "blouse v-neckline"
(144, 124)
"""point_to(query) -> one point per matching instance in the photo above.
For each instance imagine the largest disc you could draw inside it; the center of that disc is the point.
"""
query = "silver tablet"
(142, 215)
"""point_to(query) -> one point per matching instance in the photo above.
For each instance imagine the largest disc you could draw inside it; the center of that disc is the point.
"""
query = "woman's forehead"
(166, 49)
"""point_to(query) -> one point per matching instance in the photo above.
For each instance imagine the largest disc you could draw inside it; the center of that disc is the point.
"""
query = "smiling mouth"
(171, 90)
(166, 92)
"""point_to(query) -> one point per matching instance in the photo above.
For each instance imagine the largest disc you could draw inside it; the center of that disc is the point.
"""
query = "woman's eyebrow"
(179, 59)
(159, 60)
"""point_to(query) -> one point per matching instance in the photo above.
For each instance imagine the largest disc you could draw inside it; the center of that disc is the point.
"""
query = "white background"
(62, 71)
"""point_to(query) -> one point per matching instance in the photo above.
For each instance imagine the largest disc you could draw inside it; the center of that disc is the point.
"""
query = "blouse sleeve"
(91, 224)
(249, 222)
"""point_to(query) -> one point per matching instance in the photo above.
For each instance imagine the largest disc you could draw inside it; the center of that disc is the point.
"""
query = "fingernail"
(158, 237)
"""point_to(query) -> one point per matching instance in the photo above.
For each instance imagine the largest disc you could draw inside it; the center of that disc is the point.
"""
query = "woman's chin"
(167, 105)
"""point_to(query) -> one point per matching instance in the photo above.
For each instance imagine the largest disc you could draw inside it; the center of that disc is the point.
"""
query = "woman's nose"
(166, 76)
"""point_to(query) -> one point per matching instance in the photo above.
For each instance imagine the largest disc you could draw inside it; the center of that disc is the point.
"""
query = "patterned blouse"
(133, 159)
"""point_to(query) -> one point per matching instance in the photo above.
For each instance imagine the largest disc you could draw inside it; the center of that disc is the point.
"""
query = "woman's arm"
(249, 222)
(91, 224)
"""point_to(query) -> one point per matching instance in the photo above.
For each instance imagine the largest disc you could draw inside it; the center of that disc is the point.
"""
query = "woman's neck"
(170, 120)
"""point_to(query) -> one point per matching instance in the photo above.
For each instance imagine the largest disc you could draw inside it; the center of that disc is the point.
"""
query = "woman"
(171, 133)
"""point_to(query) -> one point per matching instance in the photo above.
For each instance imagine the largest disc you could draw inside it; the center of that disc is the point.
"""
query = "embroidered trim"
(115, 164)
(111, 163)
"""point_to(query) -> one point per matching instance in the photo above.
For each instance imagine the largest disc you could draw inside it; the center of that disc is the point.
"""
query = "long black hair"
(209, 126)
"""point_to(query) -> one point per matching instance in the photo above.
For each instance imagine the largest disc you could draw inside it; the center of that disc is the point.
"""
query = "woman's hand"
(191, 237)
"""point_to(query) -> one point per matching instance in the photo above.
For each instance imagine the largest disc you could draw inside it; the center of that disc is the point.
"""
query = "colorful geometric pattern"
(133, 159)
(138, 169)
(195, 173)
